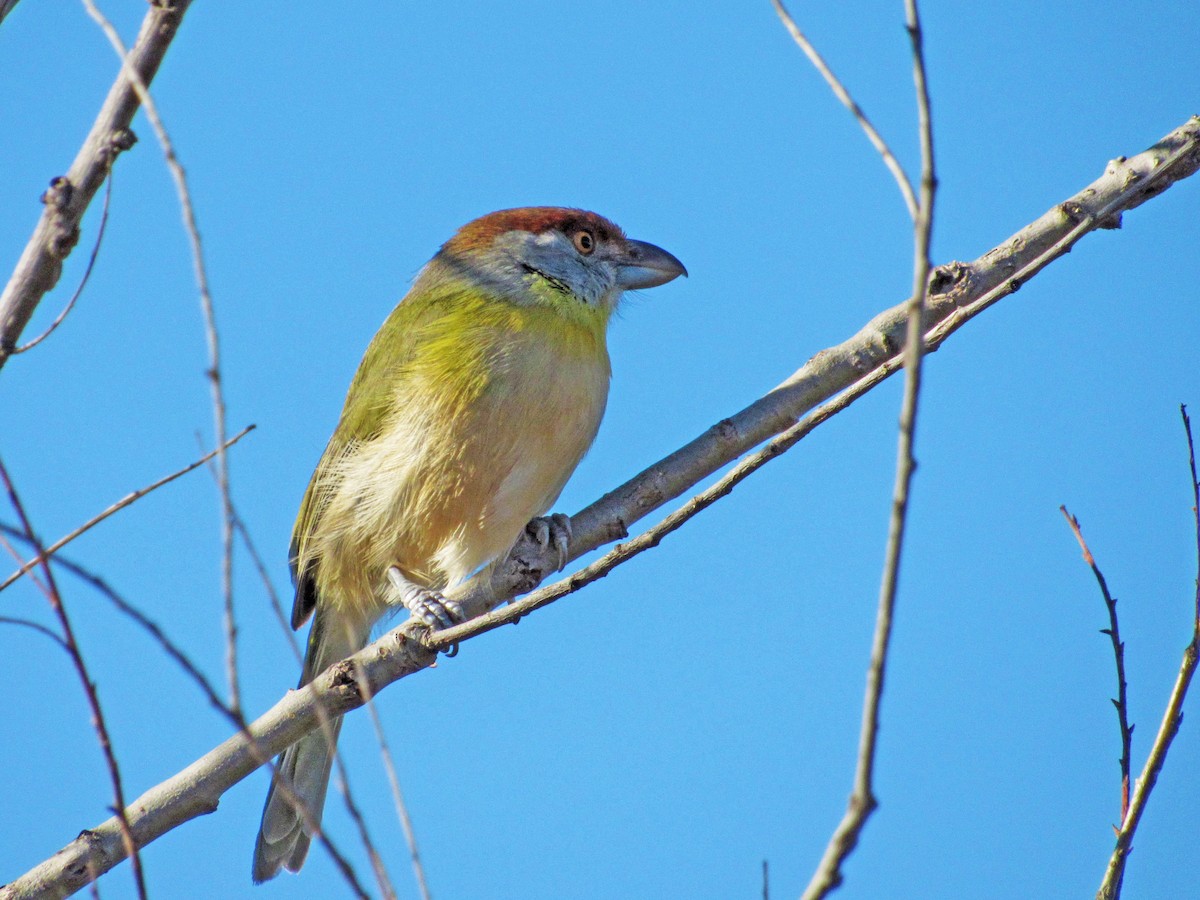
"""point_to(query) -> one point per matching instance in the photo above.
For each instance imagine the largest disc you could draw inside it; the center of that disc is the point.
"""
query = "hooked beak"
(642, 265)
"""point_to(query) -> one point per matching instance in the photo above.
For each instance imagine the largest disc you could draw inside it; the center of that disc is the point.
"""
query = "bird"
(470, 409)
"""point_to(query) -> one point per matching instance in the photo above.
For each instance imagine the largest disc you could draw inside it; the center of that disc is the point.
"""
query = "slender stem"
(839, 91)
(189, 667)
(210, 330)
(125, 501)
(87, 274)
(1114, 633)
(862, 803)
(89, 688)
(410, 835)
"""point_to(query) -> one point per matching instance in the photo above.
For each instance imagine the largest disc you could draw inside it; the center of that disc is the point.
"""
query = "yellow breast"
(494, 410)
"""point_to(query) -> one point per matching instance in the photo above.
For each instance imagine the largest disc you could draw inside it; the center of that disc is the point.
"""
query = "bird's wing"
(368, 403)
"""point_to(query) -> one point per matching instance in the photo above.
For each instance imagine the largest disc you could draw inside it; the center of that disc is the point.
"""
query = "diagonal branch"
(66, 201)
(189, 668)
(131, 497)
(843, 95)
(125, 835)
(958, 293)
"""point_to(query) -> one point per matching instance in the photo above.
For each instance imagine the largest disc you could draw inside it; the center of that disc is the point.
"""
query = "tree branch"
(67, 199)
(131, 497)
(828, 875)
(958, 292)
(843, 96)
(125, 837)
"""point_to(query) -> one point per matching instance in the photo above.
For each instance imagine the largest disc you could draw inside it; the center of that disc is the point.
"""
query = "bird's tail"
(283, 837)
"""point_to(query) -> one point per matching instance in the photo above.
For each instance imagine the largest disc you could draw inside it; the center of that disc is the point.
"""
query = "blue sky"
(663, 732)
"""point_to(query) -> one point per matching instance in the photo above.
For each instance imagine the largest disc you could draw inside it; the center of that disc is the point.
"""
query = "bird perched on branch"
(470, 409)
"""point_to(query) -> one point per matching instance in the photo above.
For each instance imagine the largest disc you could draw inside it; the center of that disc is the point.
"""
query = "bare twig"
(839, 91)
(206, 687)
(89, 688)
(410, 836)
(147, 624)
(264, 575)
(326, 724)
(35, 626)
(1114, 633)
(210, 329)
(1114, 874)
(125, 501)
(1187, 425)
(343, 785)
(862, 803)
(959, 292)
(57, 230)
(87, 273)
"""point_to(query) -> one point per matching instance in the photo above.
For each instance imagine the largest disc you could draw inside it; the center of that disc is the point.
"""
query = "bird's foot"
(552, 531)
(428, 606)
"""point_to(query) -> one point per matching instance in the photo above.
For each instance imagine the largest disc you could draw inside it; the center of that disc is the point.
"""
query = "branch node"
(59, 194)
(1073, 210)
(726, 430)
(64, 227)
(119, 141)
(944, 279)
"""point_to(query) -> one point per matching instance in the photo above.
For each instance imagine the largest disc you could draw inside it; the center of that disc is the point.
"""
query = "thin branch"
(264, 576)
(35, 626)
(1187, 425)
(125, 501)
(89, 689)
(142, 90)
(1114, 633)
(192, 670)
(1114, 874)
(959, 292)
(839, 91)
(410, 836)
(326, 725)
(87, 273)
(57, 230)
(343, 786)
(146, 623)
(862, 802)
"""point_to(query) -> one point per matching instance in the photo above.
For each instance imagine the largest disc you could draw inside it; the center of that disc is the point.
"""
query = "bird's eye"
(584, 242)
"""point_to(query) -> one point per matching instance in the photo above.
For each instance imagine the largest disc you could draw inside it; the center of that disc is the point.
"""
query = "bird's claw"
(552, 531)
(428, 606)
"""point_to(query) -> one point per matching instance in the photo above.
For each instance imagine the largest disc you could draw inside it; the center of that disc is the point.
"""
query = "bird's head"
(559, 257)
